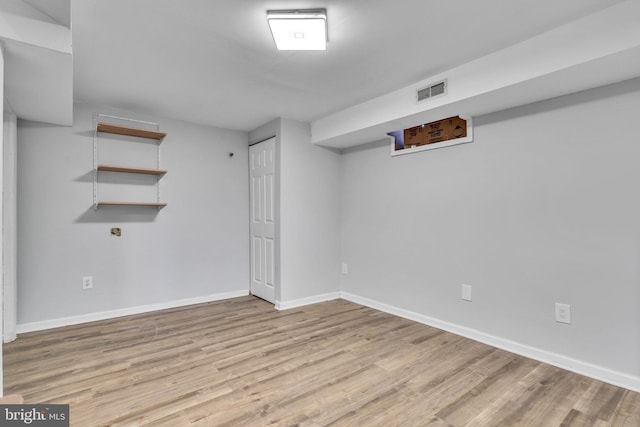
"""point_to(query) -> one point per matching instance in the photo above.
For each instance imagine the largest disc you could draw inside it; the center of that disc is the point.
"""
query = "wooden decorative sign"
(441, 133)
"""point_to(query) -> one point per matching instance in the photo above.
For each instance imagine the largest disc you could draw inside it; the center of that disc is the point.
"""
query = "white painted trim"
(616, 378)
(92, 317)
(285, 305)
(9, 227)
(2, 84)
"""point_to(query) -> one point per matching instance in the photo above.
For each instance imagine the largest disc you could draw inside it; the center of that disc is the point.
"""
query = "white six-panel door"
(262, 229)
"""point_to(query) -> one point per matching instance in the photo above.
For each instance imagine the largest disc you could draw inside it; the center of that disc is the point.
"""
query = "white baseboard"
(285, 305)
(583, 368)
(92, 317)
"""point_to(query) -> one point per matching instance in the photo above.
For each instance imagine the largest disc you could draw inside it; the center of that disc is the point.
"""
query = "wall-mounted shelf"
(107, 126)
(130, 131)
(142, 204)
(109, 168)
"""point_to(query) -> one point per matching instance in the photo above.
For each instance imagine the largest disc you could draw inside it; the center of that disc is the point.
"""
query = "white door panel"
(262, 228)
(269, 263)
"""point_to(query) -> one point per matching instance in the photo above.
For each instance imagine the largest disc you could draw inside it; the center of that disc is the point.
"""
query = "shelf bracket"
(95, 161)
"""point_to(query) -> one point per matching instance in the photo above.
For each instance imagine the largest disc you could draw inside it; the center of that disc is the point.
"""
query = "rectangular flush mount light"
(299, 29)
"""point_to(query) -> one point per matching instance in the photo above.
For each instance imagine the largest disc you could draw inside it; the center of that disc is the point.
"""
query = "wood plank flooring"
(241, 362)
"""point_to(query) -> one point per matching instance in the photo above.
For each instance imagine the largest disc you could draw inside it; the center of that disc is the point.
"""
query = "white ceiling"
(214, 62)
(58, 10)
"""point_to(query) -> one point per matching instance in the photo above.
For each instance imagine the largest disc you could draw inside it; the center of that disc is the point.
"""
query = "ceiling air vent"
(431, 91)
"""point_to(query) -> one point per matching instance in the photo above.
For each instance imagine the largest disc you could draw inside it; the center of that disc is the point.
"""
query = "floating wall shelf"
(104, 127)
(109, 168)
(130, 131)
(142, 204)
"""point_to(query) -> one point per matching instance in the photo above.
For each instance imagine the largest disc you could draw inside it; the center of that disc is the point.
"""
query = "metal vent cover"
(431, 91)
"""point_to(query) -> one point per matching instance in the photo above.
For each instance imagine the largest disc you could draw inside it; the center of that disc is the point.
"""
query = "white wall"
(1, 133)
(542, 207)
(196, 247)
(308, 214)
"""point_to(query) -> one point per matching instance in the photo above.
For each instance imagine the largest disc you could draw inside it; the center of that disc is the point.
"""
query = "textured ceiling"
(214, 62)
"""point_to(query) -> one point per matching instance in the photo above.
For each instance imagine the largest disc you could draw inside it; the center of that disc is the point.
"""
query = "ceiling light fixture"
(299, 29)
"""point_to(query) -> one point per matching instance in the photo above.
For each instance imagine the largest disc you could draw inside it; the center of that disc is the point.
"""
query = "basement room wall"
(307, 215)
(542, 207)
(195, 249)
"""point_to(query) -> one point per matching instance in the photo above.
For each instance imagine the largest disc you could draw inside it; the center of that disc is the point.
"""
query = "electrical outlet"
(345, 268)
(466, 292)
(87, 282)
(563, 313)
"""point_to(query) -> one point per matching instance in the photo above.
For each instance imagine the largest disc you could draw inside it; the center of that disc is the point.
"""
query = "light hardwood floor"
(241, 362)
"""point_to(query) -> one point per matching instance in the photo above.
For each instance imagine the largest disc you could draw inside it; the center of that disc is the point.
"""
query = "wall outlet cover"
(563, 313)
(466, 292)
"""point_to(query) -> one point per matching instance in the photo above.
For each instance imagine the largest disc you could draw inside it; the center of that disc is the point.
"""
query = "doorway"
(262, 211)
